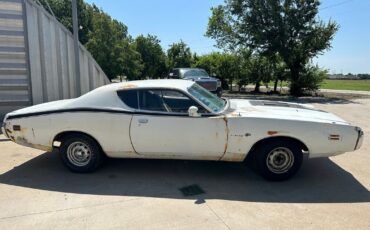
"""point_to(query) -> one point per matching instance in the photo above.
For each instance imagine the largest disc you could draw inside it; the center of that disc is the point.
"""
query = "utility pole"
(76, 47)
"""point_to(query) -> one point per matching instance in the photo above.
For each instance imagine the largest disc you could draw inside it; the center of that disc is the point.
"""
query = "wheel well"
(279, 138)
(62, 136)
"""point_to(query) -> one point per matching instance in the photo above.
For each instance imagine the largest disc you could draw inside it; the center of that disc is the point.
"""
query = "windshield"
(196, 73)
(213, 102)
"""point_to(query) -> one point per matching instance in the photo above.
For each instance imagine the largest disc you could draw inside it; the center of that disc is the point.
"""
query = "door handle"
(143, 120)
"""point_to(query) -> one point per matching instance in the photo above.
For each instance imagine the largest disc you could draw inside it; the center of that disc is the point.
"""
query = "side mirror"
(193, 111)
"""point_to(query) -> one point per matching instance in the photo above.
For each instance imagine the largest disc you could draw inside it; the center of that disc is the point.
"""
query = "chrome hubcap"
(79, 154)
(280, 160)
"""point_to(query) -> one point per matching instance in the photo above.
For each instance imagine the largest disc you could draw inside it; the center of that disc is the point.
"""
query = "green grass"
(362, 85)
(346, 84)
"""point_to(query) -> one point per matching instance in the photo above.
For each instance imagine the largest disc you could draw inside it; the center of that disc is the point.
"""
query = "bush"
(311, 77)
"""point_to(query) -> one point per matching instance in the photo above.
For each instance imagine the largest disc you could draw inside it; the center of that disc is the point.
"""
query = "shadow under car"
(318, 181)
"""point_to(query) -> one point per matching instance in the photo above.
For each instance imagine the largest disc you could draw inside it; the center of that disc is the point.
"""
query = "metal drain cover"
(191, 190)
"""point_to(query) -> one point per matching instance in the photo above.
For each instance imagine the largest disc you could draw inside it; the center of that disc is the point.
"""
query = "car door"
(163, 129)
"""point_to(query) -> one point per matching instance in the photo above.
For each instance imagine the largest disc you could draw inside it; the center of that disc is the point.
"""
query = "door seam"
(227, 137)
(129, 134)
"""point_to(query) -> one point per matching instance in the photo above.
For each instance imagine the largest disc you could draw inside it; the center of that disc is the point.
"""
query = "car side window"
(178, 102)
(151, 100)
(129, 97)
(158, 100)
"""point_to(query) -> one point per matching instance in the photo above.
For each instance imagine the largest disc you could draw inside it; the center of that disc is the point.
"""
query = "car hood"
(282, 110)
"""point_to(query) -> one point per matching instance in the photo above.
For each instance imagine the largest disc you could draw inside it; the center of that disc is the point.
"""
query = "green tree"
(258, 70)
(208, 62)
(132, 66)
(62, 9)
(106, 39)
(110, 46)
(288, 27)
(313, 76)
(152, 56)
(194, 59)
(226, 66)
(179, 55)
(364, 76)
(280, 71)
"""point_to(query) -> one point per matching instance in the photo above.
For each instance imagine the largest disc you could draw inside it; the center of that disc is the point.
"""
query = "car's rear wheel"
(81, 153)
(278, 160)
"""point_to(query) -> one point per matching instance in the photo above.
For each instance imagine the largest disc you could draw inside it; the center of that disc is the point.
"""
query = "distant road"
(358, 92)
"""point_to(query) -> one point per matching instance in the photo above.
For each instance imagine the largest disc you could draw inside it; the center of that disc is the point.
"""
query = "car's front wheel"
(81, 153)
(279, 159)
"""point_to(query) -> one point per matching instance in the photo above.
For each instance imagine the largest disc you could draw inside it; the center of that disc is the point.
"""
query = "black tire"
(278, 160)
(81, 153)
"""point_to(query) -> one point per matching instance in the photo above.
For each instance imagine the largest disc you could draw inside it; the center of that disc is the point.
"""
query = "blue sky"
(173, 20)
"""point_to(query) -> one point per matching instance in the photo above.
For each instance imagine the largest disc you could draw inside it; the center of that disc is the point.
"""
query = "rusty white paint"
(128, 86)
(228, 136)
(201, 138)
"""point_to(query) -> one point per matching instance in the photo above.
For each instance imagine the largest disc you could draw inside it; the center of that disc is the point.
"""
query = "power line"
(336, 4)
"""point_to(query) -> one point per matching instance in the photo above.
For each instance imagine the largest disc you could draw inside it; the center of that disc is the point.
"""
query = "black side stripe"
(96, 110)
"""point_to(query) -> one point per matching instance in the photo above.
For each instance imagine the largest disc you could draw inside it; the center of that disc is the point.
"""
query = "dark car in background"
(200, 76)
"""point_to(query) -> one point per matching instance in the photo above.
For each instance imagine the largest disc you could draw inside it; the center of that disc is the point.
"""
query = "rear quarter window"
(129, 97)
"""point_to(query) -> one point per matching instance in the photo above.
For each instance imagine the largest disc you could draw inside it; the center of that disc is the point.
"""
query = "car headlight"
(219, 83)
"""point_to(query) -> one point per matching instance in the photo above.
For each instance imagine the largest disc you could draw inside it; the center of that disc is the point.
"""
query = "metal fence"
(37, 58)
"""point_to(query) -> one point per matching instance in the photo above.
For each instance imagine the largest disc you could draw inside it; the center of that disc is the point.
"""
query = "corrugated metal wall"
(14, 78)
(37, 58)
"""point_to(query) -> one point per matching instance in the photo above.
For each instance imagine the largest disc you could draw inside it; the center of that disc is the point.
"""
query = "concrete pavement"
(345, 92)
(36, 191)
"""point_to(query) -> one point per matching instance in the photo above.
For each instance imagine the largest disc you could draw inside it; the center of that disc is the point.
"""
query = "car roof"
(105, 96)
(157, 83)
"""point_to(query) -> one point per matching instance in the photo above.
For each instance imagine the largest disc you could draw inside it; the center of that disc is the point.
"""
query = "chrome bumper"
(360, 138)
(3, 131)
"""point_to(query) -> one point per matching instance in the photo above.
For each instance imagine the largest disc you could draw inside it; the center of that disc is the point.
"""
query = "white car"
(178, 119)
